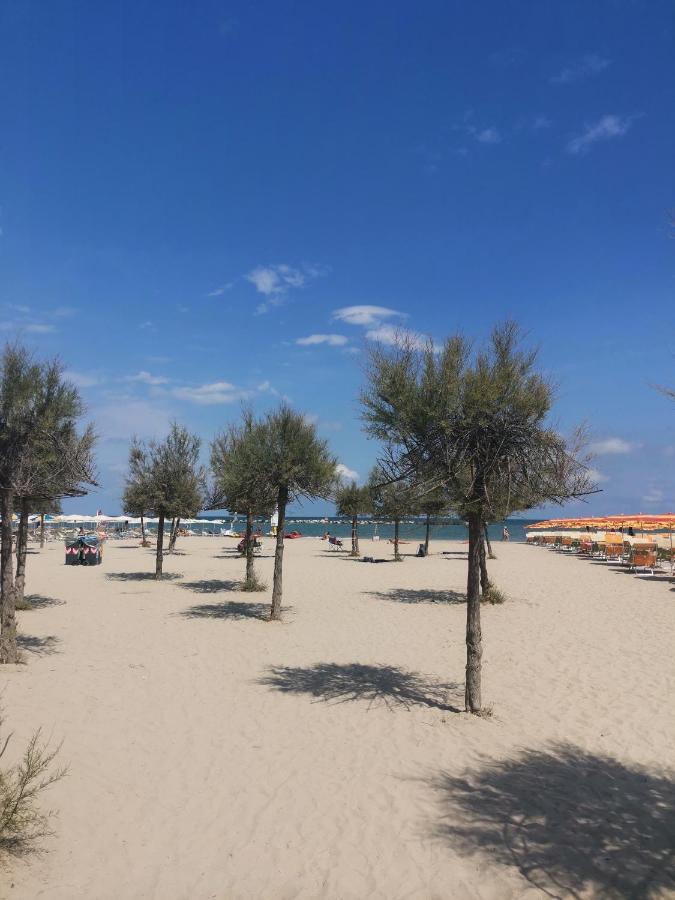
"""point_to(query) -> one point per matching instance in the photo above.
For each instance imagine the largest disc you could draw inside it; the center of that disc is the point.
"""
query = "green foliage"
(296, 459)
(494, 596)
(166, 478)
(477, 425)
(390, 499)
(352, 500)
(22, 822)
(240, 472)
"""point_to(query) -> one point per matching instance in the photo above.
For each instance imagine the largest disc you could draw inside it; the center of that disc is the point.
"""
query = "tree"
(432, 504)
(138, 498)
(240, 481)
(391, 500)
(42, 458)
(299, 466)
(353, 501)
(168, 476)
(476, 424)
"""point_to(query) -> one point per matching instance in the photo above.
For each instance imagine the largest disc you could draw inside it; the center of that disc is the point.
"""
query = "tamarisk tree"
(392, 499)
(477, 424)
(240, 481)
(168, 477)
(42, 458)
(353, 501)
(298, 465)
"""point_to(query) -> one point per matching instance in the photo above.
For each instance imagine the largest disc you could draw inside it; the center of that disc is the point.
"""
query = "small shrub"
(494, 596)
(22, 604)
(252, 584)
(22, 822)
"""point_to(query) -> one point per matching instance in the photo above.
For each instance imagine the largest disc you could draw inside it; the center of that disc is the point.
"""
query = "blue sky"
(207, 203)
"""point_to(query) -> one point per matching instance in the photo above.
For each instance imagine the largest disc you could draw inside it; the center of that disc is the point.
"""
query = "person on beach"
(505, 533)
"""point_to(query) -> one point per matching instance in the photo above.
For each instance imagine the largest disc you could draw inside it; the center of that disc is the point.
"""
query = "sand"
(216, 755)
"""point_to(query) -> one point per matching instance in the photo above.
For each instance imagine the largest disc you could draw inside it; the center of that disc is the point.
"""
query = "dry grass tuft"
(253, 584)
(494, 596)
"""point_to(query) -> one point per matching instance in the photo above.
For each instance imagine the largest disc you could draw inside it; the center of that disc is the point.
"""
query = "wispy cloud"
(612, 445)
(346, 473)
(487, 136)
(605, 129)
(540, 123)
(274, 282)
(27, 327)
(64, 312)
(147, 326)
(82, 379)
(218, 392)
(143, 377)
(366, 315)
(580, 69)
(219, 291)
(333, 340)
(390, 335)
(597, 476)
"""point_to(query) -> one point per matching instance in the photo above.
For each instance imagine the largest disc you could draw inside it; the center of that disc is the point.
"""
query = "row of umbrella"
(641, 521)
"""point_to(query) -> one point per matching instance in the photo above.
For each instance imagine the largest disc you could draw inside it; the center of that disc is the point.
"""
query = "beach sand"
(216, 755)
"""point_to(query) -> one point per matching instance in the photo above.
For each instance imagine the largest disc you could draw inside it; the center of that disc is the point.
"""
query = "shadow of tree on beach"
(40, 646)
(426, 595)
(39, 601)
(331, 682)
(229, 611)
(572, 823)
(141, 576)
(210, 586)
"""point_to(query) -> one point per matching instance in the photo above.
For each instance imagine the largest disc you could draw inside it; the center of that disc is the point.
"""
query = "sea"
(411, 529)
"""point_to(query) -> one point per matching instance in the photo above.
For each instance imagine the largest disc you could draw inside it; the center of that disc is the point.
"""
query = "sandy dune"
(213, 754)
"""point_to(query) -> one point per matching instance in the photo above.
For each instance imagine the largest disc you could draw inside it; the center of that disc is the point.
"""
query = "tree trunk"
(8, 648)
(355, 535)
(487, 541)
(474, 651)
(21, 548)
(397, 555)
(279, 555)
(143, 541)
(484, 580)
(426, 536)
(42, 530)
(248, 546)
(174, 534)
(159, 559)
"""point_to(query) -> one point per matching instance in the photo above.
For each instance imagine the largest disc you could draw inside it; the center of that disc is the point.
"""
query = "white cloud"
(82, 379)
(217, 292)
(488, 136)
(64, 312)
(274, 282)
(605, 129)
(146, 378)
(126, 416)
(388, 334)
(366, 315)
(211, 394)
(610, 446)
(147, 326)
(333, 340)
(346, 473)
(589, 65)
(596, 476)
(653, 495)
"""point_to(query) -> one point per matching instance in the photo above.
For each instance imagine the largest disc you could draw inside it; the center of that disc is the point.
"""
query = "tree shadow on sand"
(39, 601)
(331, 682)
(210, 586)
(572, 823)
(232, 610)
(141, 576)
(412, 595)
(40, 646)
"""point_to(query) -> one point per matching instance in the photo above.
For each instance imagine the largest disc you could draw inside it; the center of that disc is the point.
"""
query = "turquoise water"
(410, 530)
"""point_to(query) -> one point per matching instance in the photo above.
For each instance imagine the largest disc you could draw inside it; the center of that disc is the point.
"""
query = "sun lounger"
(643, 556)
(334, 543)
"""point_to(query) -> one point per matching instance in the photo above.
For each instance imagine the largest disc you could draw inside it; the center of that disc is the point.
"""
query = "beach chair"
(643, 557)
(334, 543)
(613, 546)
